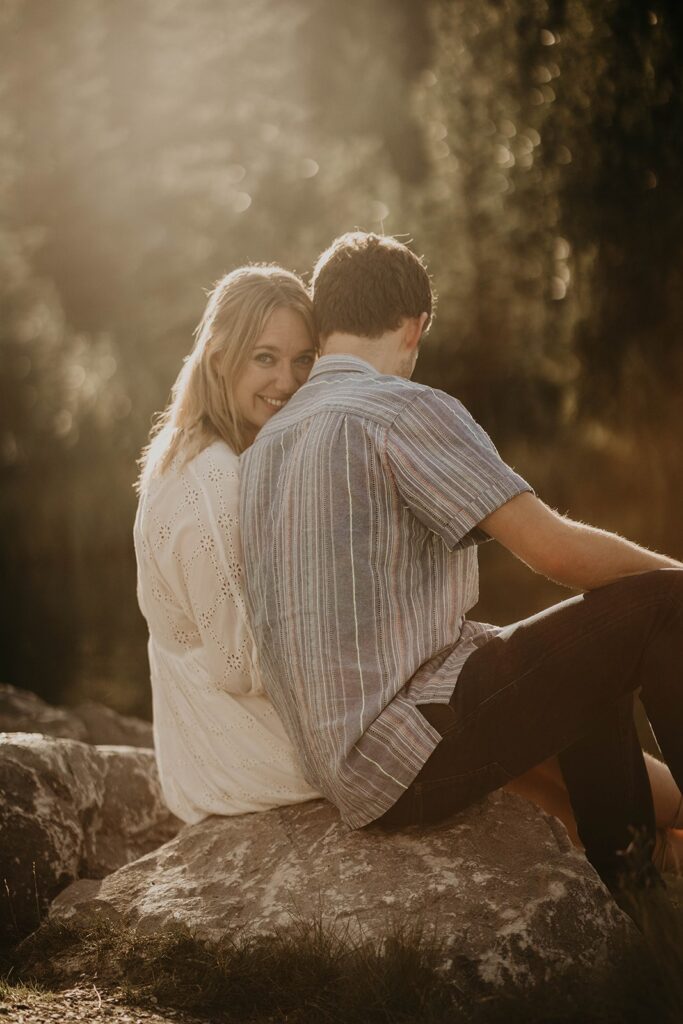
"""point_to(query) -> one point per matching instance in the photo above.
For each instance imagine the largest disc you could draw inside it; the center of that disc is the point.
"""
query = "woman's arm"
(207, 560)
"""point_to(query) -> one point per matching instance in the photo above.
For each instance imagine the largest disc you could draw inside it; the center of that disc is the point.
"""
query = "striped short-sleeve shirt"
(359, 509)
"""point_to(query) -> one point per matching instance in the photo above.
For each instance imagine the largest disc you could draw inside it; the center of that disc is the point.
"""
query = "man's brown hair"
(366, 284)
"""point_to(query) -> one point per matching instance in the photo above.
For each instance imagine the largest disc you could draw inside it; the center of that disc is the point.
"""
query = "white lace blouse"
(220, 746)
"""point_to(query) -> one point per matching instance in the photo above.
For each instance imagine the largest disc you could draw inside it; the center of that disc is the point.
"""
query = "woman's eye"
(305, 360)
(264, 358)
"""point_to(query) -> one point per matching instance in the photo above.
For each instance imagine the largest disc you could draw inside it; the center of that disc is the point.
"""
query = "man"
(363, 502)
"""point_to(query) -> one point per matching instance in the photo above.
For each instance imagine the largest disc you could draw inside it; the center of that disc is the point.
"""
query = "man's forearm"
(575, 555)
(586, 558)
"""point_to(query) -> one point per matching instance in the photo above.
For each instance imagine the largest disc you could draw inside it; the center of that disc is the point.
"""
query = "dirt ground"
(84, 1004)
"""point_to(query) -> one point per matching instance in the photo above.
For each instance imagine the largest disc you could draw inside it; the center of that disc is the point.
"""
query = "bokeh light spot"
(562, 249)
(309, 168)
(10, 450)
(75, 376)
(558, 289)
(108, 367)
(241, 202)
(547, 37)
(62, 422)
(234, 173)
(438, 130)
(380, 210)
(499, 184)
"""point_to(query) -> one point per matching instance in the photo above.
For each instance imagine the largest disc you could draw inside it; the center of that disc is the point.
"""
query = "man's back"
(359, 509)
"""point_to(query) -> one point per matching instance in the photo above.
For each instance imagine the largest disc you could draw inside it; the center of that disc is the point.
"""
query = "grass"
(307, 974)
(22, 991)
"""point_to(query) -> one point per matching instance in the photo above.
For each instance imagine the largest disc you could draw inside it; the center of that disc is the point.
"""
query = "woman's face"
(279, 364)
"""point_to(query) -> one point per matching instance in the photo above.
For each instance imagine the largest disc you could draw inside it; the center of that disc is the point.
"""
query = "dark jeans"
(562, 683)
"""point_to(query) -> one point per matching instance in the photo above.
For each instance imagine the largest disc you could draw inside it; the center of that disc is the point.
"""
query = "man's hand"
(575, 555)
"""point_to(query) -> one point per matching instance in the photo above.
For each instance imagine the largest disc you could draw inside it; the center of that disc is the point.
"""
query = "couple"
(310, 638)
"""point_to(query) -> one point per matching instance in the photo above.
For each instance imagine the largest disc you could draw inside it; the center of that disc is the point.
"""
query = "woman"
(220, 747)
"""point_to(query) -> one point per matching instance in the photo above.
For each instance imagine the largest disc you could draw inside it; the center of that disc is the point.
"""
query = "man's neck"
(382, 353)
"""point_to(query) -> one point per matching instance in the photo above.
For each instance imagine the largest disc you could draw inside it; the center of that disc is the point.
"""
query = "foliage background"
(531, 149)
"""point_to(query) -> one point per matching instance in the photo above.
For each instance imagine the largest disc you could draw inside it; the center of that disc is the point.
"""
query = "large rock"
(103, 725)
(500, 882)
(70, 810)
(23, 711)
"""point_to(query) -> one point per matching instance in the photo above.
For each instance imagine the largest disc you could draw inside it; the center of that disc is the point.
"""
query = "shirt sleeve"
(447, 469)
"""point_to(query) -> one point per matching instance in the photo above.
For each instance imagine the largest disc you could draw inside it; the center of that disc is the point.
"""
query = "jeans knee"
(670, 582)
(668, 591)
(665, 583)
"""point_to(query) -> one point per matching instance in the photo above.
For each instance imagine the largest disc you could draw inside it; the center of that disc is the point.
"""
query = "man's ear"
(414, 327)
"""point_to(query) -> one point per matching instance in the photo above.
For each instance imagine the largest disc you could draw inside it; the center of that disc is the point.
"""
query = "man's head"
(367, 286)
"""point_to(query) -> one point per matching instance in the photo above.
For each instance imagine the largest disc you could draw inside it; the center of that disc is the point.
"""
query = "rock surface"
(500, 882)
(90, 722)
(70, 810)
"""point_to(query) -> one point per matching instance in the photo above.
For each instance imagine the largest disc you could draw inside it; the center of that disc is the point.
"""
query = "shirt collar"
(342, 363)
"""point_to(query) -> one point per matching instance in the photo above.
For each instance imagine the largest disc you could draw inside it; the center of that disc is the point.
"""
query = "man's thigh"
(531, 692)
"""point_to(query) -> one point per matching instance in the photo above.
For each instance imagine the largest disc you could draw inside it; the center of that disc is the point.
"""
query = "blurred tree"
(493, 217)
(556, 136)
(620, 117)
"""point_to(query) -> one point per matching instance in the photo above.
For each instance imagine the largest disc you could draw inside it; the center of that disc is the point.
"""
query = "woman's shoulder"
(185, 487)
(200, 493)
(217, 457)
(215, 461)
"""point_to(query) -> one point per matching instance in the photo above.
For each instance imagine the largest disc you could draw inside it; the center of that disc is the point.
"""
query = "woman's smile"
(276, 403)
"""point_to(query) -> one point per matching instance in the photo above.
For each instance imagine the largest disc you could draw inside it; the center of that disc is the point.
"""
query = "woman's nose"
(286, 379)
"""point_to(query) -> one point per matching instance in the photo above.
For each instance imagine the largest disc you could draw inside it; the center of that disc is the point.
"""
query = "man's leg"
(544, 785)
(561, 682)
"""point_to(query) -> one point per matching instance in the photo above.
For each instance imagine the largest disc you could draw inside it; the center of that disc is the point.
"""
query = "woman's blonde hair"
(202, 407)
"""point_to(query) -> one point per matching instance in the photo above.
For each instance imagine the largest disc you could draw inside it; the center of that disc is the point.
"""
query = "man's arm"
(569, 553)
